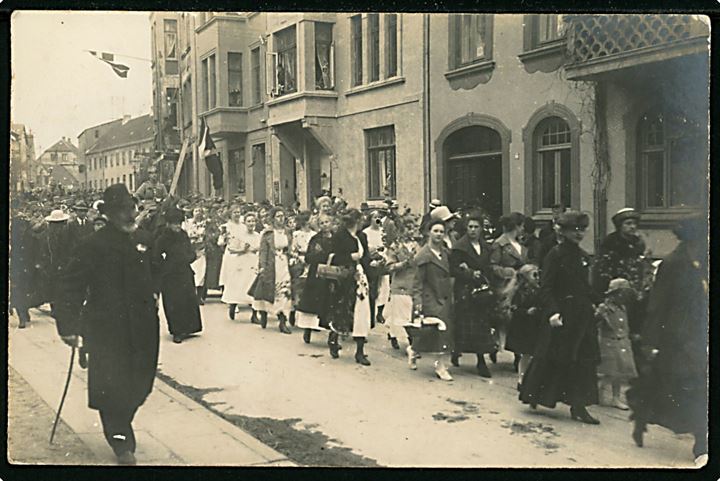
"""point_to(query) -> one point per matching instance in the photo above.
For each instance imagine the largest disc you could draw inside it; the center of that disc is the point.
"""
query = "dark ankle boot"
(360, 356)
(516, 362)
(306, 335)
(231, 311)
(283, 324)
(493, 357)
(455, 359)
(638, 433)
(263, 319)
(394, 343)
(579, 413)
(482, 368)
(292, 318)
(334, 345)
(254, 318)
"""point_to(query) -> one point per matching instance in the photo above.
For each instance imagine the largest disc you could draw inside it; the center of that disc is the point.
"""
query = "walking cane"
(62, 399)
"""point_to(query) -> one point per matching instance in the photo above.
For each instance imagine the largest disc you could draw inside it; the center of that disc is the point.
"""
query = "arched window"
(672, 157)
(552, 148)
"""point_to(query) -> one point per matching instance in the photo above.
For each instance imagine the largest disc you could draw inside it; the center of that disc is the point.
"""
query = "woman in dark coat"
(672, 388)
(314, 299)
(55, 250)
(564, 367)
(349, 309)
(469, 265)
(174, 253)
(433, 301)
(23, 273)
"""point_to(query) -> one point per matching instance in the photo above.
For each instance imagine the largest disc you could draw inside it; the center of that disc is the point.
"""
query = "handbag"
(329, 271)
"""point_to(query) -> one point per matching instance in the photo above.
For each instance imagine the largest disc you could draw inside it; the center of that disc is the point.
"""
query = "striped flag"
(120, 69)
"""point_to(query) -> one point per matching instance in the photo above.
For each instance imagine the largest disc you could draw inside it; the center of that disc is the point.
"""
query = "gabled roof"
(100, 125)
(139, 129)
(63, 175)
(63, 145)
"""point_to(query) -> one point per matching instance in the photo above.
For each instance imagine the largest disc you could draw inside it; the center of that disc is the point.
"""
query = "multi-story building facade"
(89, 137)
(116, 157)
(476, 109)
(60, 164)
(23, 168)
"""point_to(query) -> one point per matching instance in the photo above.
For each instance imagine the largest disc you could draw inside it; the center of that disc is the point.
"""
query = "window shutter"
(332, 65)
(271, 74)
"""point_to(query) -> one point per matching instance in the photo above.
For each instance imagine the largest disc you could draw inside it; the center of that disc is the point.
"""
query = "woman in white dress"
(271, 289)
(239, 266)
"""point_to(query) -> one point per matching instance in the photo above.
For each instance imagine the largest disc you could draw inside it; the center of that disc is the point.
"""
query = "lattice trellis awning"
(592, 37)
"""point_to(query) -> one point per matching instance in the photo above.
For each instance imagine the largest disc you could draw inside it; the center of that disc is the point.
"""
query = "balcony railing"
(594, 39)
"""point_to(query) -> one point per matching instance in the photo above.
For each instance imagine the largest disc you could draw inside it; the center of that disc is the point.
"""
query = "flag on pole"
(109, 58)
(212, 158)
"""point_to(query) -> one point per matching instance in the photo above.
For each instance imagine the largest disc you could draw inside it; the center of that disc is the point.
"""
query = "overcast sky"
(58, 89)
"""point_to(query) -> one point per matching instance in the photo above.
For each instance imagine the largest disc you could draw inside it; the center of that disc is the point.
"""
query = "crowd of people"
(444, 284)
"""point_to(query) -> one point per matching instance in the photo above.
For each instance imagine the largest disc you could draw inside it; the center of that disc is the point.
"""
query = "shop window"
(324, 55)
(235, 79)
(380, 144)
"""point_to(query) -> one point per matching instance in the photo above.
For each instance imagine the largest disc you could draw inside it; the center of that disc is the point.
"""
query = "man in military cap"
(151, 188)
(113, 284)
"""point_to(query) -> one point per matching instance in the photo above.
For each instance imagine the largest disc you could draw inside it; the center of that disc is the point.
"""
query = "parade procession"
(305, 256)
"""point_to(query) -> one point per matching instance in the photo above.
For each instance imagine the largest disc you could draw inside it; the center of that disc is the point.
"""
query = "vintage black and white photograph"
(358, 239)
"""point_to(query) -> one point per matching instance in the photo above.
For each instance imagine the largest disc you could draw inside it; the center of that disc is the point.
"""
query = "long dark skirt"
(341, 304)
(212, 271)
(549, 381)
(473, 330)
(180, 303)
(429, 339)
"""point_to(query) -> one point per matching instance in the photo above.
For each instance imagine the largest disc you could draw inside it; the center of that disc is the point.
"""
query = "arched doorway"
(473, 158)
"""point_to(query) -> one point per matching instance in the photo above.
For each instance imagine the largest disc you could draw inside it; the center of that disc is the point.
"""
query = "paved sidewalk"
(170, 428)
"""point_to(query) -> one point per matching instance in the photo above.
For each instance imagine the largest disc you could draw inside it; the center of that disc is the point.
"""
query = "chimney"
(125, 119)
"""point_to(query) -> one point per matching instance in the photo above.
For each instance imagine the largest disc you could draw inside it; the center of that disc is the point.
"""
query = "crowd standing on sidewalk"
(447, 284)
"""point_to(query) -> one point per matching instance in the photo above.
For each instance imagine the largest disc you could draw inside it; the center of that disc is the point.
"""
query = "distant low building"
(22, 158)
(116, 156)
(60, 165)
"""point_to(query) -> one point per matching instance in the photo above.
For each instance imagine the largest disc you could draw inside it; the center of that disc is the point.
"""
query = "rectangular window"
(549, 28)
(187, 102)
(171, 54)
(391, 45)
(212, 82)
(356, 49)
(374, 46)
(255, 67)
(237, 170)
(205, 89)
(171, 99)
(124, 179)
(324, 56)
(380, 144)
(286, 50)
(472, 39)
(64, 157)
(235, 79)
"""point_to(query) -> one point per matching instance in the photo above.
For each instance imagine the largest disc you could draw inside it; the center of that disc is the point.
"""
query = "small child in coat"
(617, 364)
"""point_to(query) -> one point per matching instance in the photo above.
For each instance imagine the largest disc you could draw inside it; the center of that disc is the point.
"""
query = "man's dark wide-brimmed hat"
(174, 216)
(117, 196)
(573, 219)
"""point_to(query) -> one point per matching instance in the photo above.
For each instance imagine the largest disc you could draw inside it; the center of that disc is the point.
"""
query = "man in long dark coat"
(112, 275)
(672, 388)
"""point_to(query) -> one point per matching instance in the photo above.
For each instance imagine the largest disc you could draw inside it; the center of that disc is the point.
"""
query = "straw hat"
(57, 216)
(442, 213)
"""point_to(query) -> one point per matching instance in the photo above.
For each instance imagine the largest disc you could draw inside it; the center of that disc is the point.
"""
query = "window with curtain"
(553, 147)
(472, 39)
(205, 101)
(234, 64)
(171, 55)
(323, 56)
(391, 45)
(380, 144)
(286, 50)
(374, 46)
(672, 151)
(212, 82)
(356, 49)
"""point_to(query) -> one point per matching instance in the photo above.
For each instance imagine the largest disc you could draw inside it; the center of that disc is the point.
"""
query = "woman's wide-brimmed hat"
(624, 214)
(442, 213)
(57, 216)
